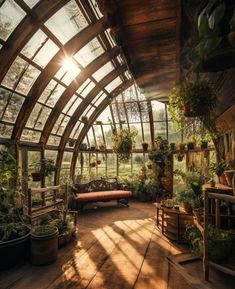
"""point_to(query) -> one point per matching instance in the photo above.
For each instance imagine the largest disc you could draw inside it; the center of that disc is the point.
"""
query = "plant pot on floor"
(44, 245)
(14, 251)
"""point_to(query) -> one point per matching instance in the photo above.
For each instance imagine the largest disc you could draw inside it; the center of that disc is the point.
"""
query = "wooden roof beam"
(72, 88)
(71, 48)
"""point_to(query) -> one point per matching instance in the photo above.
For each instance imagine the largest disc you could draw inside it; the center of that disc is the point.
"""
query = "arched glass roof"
(59, 63)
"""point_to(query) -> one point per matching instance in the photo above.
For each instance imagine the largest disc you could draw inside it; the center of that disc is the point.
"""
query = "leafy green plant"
(43, 230)
(123, 142)
(11, 231)
(194, 236)
(218, 168)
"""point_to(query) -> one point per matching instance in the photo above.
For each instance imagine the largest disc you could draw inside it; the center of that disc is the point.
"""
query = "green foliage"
(43, 230)
(11, 231)
(218, 168)
(194, 236)
(8, 167)
(123, 142)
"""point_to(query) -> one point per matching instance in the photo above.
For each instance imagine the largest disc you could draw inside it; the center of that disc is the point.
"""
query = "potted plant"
(65, 226)
(204, 144)
(145, 146)
(182, 146)
(190, 145)
(36, 201)
(93, 164)
(185, 198)
(45, 168)
(14, 224)
(71, 142)
(172, 146)
(98, 162)
(123, 142)
(84, 119)
(83, 147)
(44, 244)
(180, 157)
(218, 169)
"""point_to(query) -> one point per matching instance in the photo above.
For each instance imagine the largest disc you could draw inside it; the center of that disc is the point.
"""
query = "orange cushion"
(103, 195)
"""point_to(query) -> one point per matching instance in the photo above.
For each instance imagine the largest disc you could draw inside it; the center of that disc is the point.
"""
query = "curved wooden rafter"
(81, 108)
(93, 117)
(71, 48)
(25, 30)
(72, 88)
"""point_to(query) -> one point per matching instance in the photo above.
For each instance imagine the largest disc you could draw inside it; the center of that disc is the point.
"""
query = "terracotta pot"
(229, 177)
(222, 180)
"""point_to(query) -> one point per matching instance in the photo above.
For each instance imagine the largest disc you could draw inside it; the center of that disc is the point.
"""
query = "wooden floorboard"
(116, 247)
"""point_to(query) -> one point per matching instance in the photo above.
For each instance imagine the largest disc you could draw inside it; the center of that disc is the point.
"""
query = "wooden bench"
(100, 191)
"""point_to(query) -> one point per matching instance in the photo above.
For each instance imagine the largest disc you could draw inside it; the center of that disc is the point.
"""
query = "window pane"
(67, 22)
(10, 16)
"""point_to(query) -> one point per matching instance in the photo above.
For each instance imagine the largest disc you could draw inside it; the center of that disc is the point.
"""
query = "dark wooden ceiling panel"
(149, 34)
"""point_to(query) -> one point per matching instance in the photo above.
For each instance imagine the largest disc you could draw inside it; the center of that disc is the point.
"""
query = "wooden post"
(217, 213)
(205, 238)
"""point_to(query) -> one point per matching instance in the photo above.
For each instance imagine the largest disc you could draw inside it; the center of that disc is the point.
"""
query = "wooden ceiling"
(149, 35)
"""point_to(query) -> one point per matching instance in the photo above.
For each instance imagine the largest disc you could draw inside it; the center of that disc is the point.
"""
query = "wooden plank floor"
(116, 247)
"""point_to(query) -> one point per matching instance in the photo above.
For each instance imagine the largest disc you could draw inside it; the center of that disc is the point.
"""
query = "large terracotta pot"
(222, 179)
(229, 177)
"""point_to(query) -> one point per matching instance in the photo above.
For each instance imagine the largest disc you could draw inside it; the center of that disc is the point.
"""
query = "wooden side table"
(172, 222)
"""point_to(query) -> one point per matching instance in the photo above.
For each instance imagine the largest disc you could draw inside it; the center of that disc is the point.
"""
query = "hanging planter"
(180, 157)
(145, 146)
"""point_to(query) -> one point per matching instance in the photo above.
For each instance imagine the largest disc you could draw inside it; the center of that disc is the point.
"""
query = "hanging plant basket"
(145, 146)
(37, 176)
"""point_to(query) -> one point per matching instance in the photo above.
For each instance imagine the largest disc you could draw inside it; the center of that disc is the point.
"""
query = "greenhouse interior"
(117, 144)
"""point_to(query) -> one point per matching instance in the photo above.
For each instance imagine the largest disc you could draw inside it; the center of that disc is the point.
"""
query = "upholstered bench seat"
(100, 191)
(103, 195)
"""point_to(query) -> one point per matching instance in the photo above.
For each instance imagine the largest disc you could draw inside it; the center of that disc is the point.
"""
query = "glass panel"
(172, 135)
(147, 134)
(158, 109)
(144, 111)
(89, 52)
(35, 42)
(31, 3)
(95, 8)
(138, 162)
(43, 118)
(30, 135)
(10, 16)
(52, 93)
(77, 129)
(88, 89)
(98, 135)
(4, 98)
(133, 111)
(90, 136)
(108, 133)
(33, 116)
(51, 155)
(14, 73)
(13, 108)
(54, 140)
(28, 79)
(139, 137)
(103, 71)
(74, 106)
(105, 116)
(5, 130)
(101, 165)
(63, 125)
(125, 170)
(113, 84)
(99, 98)
(81, 87)
(67, 22)
(112, 165)
(34, 158)
(68, 71)
(65, 167)
(160, 129)
(60, 125)
(46, 53)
